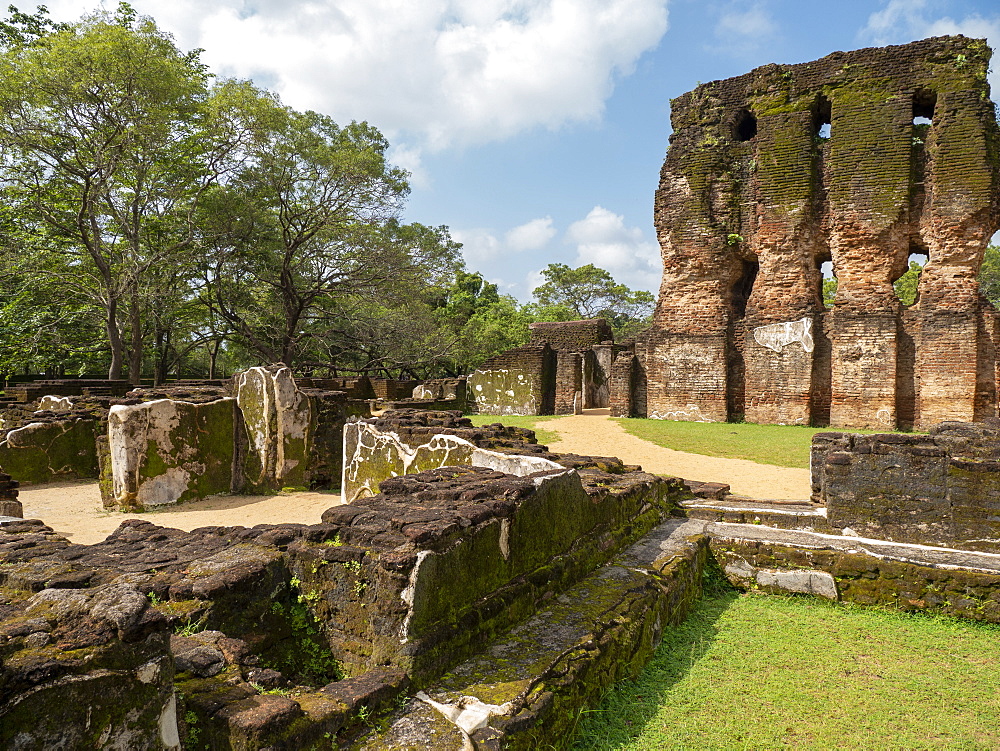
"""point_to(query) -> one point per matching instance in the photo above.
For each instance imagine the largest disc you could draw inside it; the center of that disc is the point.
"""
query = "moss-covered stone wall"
(167, 451)
(756, 194)
(41, 452)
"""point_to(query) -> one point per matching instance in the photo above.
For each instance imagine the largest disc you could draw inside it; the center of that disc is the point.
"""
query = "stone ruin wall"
(398, 588)
(752, 201)
(564, 369)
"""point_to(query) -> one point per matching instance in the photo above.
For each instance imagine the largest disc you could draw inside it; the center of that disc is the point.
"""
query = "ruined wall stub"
(754, 197)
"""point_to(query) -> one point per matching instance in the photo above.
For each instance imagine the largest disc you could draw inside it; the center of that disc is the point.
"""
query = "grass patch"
(543, 436)
(781, 445)
(758, 671)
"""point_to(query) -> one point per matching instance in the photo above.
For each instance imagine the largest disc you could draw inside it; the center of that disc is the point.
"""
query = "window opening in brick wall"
(744, 125)
(744, 287)
(907, 285)
(822, 118)
(828, 288)
(924, 102)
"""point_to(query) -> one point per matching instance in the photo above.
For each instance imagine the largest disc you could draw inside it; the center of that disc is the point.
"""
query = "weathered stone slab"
(45, 451)
(167, 451)
(372, 455)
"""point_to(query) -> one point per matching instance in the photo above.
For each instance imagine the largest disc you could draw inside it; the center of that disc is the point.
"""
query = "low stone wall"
(53, 449)
(936, 489)
(82, 667)
(405, 442)
(912, 578)
(397, 588)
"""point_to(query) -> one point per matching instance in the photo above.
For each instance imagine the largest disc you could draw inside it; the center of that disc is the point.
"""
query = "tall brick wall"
(753, 200)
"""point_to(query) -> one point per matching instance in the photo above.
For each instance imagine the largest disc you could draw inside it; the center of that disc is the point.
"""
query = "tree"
(305, 236)
(591, 292)
(484, 322)
(906, 286)
(104, 156)
(989, 274)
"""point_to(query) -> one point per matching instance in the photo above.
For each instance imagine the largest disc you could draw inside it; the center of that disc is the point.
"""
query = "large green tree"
(107, 139)
(306, 246)
(591, 292)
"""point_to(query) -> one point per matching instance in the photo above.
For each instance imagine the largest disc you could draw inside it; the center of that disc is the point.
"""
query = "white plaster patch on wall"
(512, 464)
(169, 735)
(691, 413)
(165, 488)
(55, 403)
(504, 392)
(409, 594)
(884, 416)
(777, 336)
(22, 437)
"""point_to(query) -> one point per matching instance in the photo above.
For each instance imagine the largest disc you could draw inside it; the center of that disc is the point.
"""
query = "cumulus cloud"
(745, 28)
(603, 239)
(903, 21)
(441, 73)
(482, 246)
(533, 235)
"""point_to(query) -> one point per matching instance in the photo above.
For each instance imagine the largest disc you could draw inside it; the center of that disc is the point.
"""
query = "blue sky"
(534, 129)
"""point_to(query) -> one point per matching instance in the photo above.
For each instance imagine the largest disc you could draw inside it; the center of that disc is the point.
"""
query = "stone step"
(526, 688)
(800, 515)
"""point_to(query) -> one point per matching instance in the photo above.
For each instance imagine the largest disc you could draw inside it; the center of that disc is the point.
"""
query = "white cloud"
(479, 246)
(482, 246)
(601, 238)
(439, 73)
(903, 21)
(744, 28)
(533, 235)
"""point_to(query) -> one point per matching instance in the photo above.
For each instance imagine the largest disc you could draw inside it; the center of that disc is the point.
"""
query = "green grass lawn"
(783, 445)
(750, 671)
(543, 436)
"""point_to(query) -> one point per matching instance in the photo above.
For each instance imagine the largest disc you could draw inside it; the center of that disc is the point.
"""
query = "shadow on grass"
(631, 704)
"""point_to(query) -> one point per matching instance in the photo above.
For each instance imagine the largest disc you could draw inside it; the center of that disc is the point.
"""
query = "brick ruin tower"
(756, 194)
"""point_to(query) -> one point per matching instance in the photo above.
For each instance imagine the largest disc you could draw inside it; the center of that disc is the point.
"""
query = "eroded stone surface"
(399, 443)
(167, 451)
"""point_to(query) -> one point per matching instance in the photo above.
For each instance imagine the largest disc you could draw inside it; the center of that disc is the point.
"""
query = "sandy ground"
(594, 434)
(74, 508)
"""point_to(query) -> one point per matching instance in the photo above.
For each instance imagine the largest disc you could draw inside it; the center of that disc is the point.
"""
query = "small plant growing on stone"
(154, 600)
(190, 628)
(733, 239)
(191, 719)
(270, 691)
(359, 587)
(363, 714)
(337, 542)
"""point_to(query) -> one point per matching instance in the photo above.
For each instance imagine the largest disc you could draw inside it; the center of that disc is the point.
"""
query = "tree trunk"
(135, 350)
(114, 341)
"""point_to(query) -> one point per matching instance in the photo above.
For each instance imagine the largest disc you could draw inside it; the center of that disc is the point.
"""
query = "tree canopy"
(157, 221)
(591, 292)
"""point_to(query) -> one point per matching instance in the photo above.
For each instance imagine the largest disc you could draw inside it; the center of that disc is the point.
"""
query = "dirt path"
(595, 434)
(74, 509)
